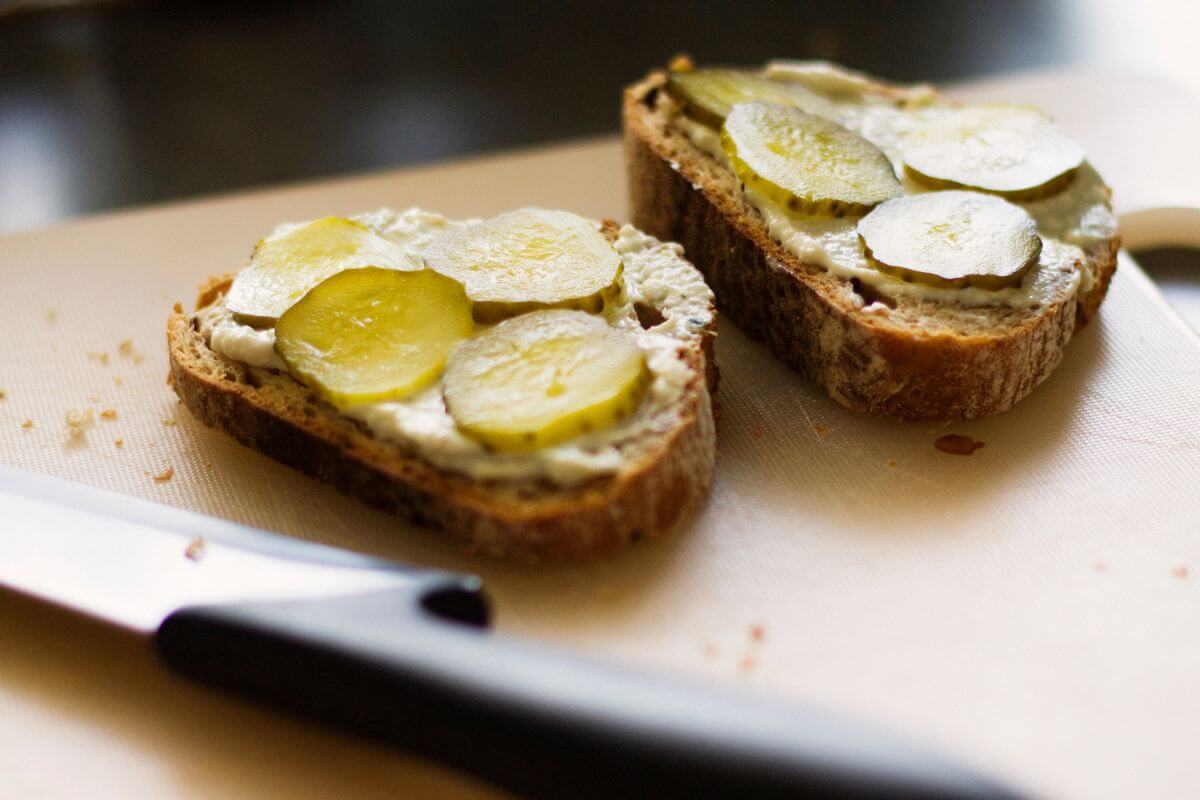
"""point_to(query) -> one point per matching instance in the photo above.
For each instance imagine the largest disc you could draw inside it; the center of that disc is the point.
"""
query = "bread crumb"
(892, 463)
(78, 422)
(137, 358)
(101, 357)
(747, 663)
(125, 348)
(170, 423)
(51, 316)
(195, 549)
(178, 307)
(758, 632)
(821, 430)
(27, 424)
(108, 413)
(3, 394)
(165, 475)
(682, 62)
(119, 442)
(118, 380)
(758, 432)
(1180, 572)
(957, 445)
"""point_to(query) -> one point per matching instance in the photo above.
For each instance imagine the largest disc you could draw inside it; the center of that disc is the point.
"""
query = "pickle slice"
(529, 259)
(708, 95)
(804, 163)
(951, 239)
(371, 334)
(285, 265)
(543, 378)
(1013, 151)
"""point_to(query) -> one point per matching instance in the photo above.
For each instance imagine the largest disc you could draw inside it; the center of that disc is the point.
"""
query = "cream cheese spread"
(1069, 222)
(655, 274)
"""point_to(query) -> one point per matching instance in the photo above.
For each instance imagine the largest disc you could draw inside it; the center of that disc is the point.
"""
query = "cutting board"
(1033, 608)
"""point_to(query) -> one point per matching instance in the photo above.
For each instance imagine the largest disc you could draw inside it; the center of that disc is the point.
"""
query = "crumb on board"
(118, 380)
(78, 422)
(165, 475)
(169, 423)
(51, 316)
(3, 394)
(747, 663)
(821, 430)
(118, 442)
(137, 358)
(178, 307)
(125, 348)
(758, 632)
(758, 432)
(108, 413)
(195, 549)
(957, 445)
(27, 424)
(102, 357)
(892, 463)
(1180, 572)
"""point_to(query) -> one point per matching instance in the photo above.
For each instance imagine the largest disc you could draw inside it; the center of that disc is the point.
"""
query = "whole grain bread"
(922, 361)
(664, 482)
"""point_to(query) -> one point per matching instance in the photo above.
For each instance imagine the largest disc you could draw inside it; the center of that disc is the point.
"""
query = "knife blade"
(402, 655)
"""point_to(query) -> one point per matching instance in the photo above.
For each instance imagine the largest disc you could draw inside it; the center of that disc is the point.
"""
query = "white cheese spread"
(1068, 222)
(654, 273)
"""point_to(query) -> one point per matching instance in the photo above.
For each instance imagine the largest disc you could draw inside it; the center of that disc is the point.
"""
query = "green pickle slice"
(952, 239)
(804, 163)
(708, 95)
(1012, 151)
(542, 378)
(372, 334)
(286, 265)
(529, 259)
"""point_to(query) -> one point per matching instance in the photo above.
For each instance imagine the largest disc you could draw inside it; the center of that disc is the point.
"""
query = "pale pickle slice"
(286, 265)
(708, 95)
(543, 378)
(1013, 151)
(951, 239)
(529, 259)
(372, 334)
(804, 163)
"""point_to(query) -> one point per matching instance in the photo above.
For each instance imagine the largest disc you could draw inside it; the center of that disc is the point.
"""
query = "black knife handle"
(535, 721)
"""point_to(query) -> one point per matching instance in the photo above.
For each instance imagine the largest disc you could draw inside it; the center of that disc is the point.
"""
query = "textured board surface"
(1032, 607)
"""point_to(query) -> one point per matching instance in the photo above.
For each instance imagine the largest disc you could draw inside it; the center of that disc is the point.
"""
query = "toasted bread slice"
(920, 360)
(663, 479)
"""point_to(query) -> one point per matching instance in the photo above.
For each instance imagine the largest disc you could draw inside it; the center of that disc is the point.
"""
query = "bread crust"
(800, 312)
(656, 493)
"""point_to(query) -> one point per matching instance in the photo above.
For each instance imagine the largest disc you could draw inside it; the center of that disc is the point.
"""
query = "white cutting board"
(1033, 607)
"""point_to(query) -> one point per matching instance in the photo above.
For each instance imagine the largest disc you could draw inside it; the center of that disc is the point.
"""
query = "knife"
(402, 655)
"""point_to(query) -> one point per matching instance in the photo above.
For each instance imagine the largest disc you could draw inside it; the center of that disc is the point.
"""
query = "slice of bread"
(922, 360)
(663, 480)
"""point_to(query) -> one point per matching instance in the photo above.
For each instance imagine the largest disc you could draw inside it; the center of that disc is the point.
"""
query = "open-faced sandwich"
(536, 385)
(915, 257)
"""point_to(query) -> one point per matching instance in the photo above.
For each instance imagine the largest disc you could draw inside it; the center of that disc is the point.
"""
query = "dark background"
(112, 104)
